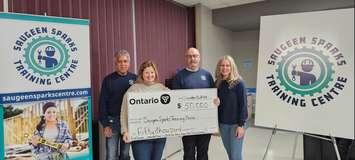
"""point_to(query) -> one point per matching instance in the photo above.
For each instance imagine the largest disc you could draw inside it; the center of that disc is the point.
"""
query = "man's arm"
(176, 84)
(212, 85)
(103, 103)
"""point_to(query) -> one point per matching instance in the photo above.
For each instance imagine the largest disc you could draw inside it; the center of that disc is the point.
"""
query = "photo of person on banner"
(51, 139)
(56, 129)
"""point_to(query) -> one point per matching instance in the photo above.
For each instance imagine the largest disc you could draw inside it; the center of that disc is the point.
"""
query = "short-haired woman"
(147, 81)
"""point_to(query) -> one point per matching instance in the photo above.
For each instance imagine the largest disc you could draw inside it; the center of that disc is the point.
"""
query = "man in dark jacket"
(113, 88)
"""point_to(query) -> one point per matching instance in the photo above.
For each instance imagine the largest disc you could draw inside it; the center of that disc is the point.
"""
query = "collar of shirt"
(191, 70)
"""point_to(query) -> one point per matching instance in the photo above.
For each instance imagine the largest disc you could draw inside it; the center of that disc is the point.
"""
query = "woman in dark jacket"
(232, 112)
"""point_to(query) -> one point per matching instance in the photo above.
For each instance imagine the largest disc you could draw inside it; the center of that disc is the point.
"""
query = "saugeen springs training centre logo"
(306, 71)
(46, 55)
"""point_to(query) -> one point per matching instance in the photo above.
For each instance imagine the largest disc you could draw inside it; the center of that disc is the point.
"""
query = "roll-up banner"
(45, 87)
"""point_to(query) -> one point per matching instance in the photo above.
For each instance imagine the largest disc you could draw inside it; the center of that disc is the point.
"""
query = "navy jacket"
(114, 86)
(233, 104)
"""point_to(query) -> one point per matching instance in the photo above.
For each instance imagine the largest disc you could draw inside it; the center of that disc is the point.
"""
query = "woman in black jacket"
(232, 112)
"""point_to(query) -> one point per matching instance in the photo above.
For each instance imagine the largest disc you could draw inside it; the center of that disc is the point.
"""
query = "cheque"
(172, 113)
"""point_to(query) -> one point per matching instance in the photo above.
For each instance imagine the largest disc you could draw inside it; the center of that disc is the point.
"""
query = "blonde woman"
(232, 112)
(147, 81)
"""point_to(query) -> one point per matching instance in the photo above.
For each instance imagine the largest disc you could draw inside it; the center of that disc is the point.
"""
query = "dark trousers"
(196, 143)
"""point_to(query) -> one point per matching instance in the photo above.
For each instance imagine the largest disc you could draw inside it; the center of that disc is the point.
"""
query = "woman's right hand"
(125, 137)
(35, 140)
(239, 132)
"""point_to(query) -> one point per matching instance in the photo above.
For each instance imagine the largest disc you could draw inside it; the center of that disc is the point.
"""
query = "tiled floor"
(284, 146)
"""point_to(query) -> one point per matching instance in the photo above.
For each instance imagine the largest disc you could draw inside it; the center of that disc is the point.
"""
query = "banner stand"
(332, 139)
(172, 154)
(295, 146)
(46, 61)
(268, 145)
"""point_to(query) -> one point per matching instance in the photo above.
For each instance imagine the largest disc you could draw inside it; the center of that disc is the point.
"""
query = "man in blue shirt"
(114, 86)
(188, 78)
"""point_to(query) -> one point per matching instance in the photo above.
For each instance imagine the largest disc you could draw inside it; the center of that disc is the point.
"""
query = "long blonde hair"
(145, 65)
(233, 78)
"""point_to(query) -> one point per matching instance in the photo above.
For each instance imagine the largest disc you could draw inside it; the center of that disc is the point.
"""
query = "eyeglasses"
(192, 56)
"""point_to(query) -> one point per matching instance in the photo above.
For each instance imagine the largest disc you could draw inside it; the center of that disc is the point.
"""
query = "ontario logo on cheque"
(307, 71)
(45, 55)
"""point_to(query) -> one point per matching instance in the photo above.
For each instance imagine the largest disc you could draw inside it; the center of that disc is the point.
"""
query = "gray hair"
(121, 53)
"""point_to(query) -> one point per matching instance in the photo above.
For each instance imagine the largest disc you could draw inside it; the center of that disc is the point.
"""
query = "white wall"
(212, 41)
(245, 52)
